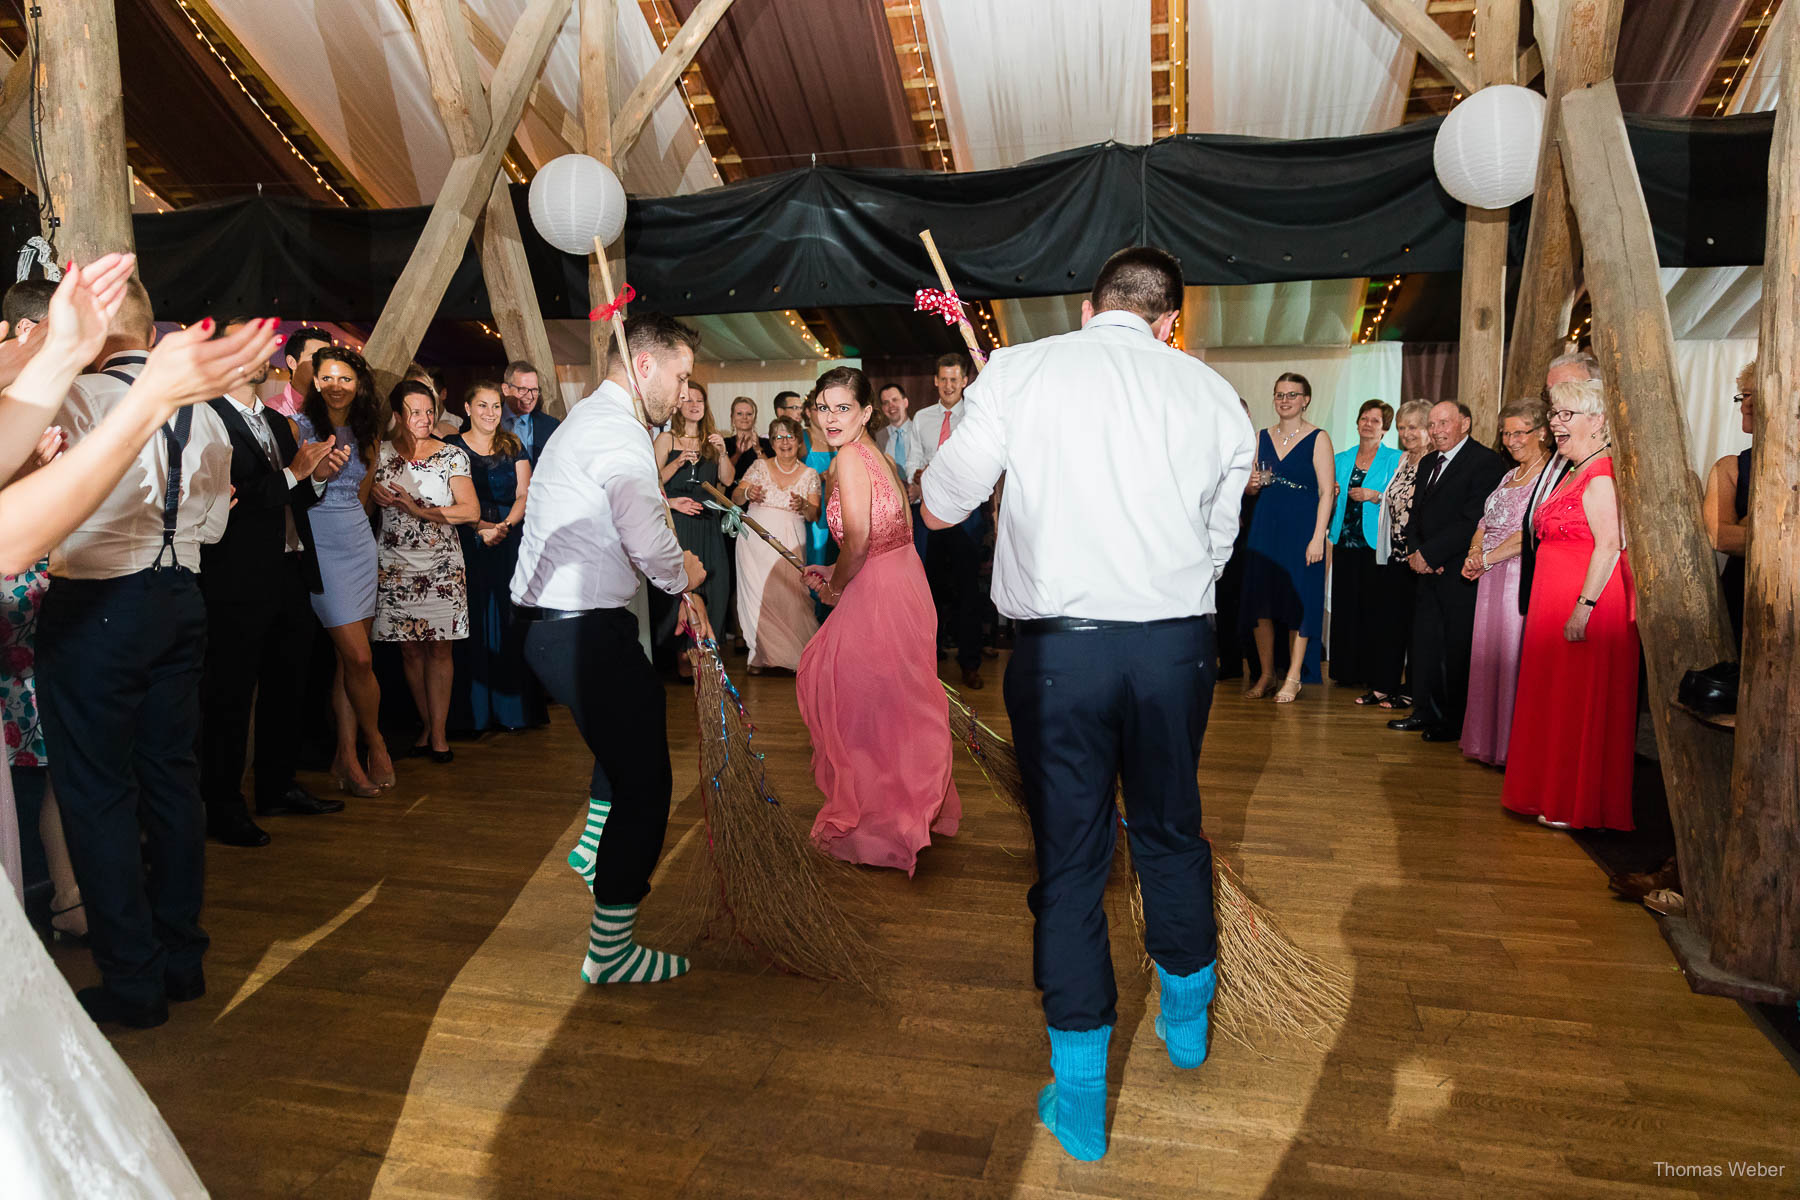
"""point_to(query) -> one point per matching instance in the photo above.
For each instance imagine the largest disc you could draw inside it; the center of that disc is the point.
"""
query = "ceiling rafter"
(919, 84)
(703, 109)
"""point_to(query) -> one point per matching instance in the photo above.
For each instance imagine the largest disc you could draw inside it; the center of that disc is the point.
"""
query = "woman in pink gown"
(868, 685)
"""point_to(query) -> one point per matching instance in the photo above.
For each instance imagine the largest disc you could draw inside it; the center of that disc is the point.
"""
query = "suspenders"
(176, 439)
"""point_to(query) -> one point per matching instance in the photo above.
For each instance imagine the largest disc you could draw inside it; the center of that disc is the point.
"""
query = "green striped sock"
(613, 957)
(581, 858)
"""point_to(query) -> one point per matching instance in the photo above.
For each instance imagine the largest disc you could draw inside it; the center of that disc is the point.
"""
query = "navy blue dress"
(493, 687)
(1279, 584)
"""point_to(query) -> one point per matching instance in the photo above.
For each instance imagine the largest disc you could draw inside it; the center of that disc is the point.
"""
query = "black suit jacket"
(241, 563)
(542, 426)
(1546, 482)
(1444, 517)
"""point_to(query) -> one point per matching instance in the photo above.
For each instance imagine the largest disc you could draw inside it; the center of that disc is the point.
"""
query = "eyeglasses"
(1565, 415)
(522, 392)
(782, 437)
(1517, 435)
(1290, 395)
(1743, 396)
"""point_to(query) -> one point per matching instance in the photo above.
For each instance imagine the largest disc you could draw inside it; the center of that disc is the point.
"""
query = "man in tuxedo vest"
(1455, 480)
(256, 580)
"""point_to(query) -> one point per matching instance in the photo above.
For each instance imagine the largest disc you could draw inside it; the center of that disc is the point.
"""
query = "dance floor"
(395, 1010)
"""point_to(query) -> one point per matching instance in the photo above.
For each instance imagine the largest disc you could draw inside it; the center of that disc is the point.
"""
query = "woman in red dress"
(1575, 720)
(868, 685)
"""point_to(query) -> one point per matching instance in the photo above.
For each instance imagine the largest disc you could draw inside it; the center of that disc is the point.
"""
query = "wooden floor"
(395, 1008)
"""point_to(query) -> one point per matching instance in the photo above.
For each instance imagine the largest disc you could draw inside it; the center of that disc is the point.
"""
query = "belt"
(1093, 625)
(553, 614)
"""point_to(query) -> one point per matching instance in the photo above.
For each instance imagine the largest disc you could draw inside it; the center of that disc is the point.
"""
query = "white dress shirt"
(125, 534)
(928, 428)
(595, 515)
(1445, 458)
(259, 429)
(896, 441)
(1125, 461)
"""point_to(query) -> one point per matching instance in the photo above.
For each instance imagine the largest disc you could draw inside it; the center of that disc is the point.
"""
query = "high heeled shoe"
(1284, 697)
(363, 791)
(66, 936)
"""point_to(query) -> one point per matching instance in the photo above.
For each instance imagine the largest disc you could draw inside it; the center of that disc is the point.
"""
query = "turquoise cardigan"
(1381, 472)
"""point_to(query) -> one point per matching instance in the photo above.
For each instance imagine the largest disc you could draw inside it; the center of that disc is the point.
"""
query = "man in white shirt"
(121, 640)
(597, 518)
(1112, 537)
(895, 440)
(953, 561)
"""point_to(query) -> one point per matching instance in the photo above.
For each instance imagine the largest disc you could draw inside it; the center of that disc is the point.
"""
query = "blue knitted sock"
(1183, 1021)
(581, 858)
(1074, 1107)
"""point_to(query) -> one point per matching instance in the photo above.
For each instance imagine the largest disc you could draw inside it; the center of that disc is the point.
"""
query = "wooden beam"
(462, 199)
(543, 101)
(1429, 39)
(512, 296)
(83, 129)
(1482, 347)
(599, 33)
(1757, 931)
(443, 33)
(15, 134)
(1586, 41)
(1531, 64)
(1681, 615)
(662, 75)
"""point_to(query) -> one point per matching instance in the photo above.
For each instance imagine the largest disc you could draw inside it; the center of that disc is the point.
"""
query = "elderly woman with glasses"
(1727, 508)
(1494, 563)
(782, 495)
(1575, 725)
(1363, 472)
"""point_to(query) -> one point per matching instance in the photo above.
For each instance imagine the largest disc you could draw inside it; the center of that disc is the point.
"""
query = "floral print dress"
(21, 596)
(422, 590)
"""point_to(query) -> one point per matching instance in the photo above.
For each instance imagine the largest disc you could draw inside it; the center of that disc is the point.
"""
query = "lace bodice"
(1504, 513)
(804, 483)
(889, 528)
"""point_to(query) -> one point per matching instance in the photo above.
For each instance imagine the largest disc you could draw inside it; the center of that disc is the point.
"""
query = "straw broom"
(771, 882)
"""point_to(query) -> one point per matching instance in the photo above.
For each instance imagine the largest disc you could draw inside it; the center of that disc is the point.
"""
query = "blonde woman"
(1396, 581)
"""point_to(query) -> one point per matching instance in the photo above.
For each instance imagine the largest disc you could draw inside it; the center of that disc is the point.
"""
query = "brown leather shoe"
(972, 679)
(1635, 885)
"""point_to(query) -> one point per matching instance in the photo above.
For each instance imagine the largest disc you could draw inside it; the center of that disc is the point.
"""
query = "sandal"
(1396, 702)
(1368, 698)
(59, 933)
(1282, 697)
(1262, 689)
(1667, 901)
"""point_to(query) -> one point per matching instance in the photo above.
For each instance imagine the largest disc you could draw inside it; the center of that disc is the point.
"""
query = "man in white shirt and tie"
(1111, 540)
(954, 559)
(597, 519)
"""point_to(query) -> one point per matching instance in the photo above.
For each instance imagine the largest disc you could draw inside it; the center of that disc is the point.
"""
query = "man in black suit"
(256, 580)
(1455, 480)
(525, 418)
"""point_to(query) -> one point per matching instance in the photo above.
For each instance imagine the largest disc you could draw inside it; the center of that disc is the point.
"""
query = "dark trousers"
(1396, 596)
(118, 672)
(1443, 639)
(1355, 613)
(593, 664)
(257, 645)
(1088, 709)
(956, 557)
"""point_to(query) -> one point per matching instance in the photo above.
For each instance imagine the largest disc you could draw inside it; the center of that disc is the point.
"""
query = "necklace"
(1525, 470)
(1286, 437)
(782, 472)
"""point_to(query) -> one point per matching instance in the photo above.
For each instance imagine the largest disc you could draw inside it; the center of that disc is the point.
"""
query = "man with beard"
(597, 519)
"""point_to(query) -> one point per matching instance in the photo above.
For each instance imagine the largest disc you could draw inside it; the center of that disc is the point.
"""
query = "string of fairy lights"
(663, 38)
(1372, 327)
(805, 334)
(1731, 81)
(931, 104)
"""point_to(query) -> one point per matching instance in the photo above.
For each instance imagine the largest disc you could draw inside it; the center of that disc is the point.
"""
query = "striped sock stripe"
(613, 957)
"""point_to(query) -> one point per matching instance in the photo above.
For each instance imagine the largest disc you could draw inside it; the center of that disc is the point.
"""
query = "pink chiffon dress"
(869, 693)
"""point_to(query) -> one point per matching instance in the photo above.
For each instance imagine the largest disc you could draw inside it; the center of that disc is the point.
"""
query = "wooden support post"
(1483, 343)
(464, 196)
(662, 75)
(1580, 53)
(1757, 930)
(1424, 35)
(83, 121)
(599, 32)
(1680, 612)
(15, 133)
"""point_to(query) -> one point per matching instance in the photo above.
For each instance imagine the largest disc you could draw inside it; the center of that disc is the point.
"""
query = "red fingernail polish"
(206, 324)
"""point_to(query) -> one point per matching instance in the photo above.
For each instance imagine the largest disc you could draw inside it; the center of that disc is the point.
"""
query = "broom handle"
(943, 274)
(793, 559)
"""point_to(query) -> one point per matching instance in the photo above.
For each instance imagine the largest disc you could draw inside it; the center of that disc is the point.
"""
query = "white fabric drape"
(1761, 86)
(1319, 312)
(1707, 375)
(1023, 78)
(354, 72)
(1293, 68)
(1342, 378)
(726, 338)
(1707, 303)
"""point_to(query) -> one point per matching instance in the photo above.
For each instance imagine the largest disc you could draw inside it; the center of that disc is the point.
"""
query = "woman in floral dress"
(422, 599)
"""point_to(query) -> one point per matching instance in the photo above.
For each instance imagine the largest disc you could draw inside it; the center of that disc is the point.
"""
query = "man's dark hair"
(516, 368)
(884, 387)
(1141, 280)
(956, 359)
(655, 333)
(27, 300)
(783, 397)
(296, 341)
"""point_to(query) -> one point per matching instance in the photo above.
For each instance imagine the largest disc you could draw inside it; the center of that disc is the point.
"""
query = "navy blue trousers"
(1088, 708)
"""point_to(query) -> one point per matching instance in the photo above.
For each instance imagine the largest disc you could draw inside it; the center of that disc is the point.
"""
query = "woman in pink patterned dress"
(1494, 561)
(868, 685)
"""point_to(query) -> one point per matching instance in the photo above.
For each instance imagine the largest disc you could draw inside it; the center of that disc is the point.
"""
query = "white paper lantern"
(1487, 148)
(575, 199)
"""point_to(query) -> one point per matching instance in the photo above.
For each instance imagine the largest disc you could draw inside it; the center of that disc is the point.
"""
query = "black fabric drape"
(1234, 210)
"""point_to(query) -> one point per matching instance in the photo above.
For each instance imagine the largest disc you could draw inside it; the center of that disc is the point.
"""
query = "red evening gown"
(868, 690)
(1575, 719)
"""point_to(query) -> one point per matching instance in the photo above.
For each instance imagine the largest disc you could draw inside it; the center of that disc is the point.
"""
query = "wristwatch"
(1585, 602)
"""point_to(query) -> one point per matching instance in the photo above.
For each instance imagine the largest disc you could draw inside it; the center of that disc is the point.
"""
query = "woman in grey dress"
(422, 602)
(341, 403)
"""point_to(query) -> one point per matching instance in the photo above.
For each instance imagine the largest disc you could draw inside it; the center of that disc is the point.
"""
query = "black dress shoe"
(104, 1008)
(442, 756)
(1438, 733)
(971, 678)
(297, 801)
(1713, 691)
(1410, 724)
(238, 830)
(183, 986)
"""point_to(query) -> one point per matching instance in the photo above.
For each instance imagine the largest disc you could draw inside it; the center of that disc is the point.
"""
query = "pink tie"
(944, 433)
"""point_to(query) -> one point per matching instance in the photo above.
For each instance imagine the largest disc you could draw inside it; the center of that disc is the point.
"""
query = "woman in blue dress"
(1284, 574)
(493, 686)
(341, 403)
